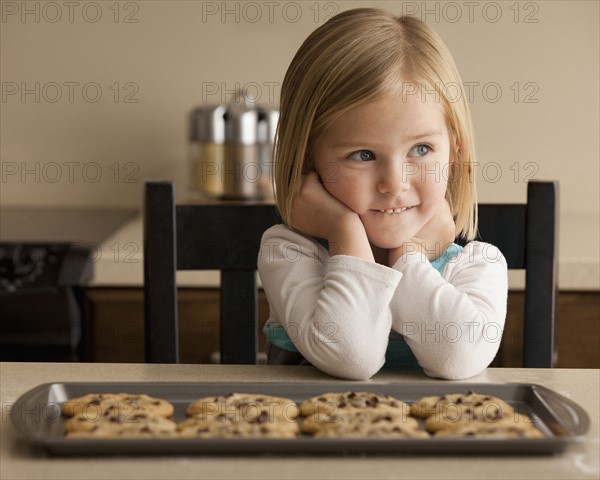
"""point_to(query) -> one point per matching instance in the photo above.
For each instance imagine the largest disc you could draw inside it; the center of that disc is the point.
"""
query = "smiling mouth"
(395, 210)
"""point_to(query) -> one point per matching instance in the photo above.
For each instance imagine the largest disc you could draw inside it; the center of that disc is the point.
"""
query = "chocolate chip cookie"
(97, 404)
(459, 405)
(249, 406)
(335, 402)
(484, 430)
(363, 421)
(138, 425)
(234, 425)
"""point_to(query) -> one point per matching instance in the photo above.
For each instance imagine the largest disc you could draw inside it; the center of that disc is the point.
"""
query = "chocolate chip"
(343, 405)
(322, 399)
(263, 417)
(331, 419)
(146, 430)
(351, 395)
(470, 392)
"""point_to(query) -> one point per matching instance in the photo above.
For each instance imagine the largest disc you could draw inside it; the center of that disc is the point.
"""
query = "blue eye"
(420, 150)
(362, 155)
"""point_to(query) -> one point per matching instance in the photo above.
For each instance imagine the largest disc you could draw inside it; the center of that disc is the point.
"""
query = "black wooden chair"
(223, 237)
(527, 235)
(226, 237)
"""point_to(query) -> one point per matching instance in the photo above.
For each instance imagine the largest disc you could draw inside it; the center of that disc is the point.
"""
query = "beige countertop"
(18, 461)
(119, 260)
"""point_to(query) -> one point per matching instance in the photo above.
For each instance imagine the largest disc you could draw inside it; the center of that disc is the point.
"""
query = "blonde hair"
(358, 56)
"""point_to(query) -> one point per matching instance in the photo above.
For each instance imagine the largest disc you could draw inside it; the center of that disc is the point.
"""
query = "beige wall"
(153, 60)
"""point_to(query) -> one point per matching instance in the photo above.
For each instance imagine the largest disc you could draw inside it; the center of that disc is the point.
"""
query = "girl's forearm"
(350, 238)
(452, 322)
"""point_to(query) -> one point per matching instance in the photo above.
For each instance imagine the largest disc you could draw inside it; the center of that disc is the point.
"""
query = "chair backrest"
(527, 235)
(223, 237)
(226, 237)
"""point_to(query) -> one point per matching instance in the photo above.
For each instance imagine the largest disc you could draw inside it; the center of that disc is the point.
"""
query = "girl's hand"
(317, 213)
(433, 239)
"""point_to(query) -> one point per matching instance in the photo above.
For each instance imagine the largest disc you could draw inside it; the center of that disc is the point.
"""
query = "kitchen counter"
(118, 262)
(19, 461)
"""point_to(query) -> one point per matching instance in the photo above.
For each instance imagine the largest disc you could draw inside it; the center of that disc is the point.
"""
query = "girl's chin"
(390, 240)
(385, 243)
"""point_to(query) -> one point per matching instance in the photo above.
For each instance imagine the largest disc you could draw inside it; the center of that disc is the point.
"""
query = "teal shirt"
(398, 352)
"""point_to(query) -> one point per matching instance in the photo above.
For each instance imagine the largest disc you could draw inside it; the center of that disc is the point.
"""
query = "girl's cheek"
(329, 172)
(334, 188)
(432, 208)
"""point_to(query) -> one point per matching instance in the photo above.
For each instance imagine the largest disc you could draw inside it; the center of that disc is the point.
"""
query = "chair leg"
(239, 313)
(160, 290)
(542, 273)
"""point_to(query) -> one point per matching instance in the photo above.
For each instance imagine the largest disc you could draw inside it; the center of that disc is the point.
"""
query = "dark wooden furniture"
(226, 237)
(115, 316)
(223, 237)
(527, 235)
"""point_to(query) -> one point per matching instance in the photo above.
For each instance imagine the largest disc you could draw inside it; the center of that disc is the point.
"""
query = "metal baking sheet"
(36, 417)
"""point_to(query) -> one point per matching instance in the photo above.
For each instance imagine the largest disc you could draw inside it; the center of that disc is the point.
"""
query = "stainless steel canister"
(207, 139)
(232, 149)
(242, 170)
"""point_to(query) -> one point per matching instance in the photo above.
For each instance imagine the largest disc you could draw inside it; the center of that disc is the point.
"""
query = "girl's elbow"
(360, 365)
(366, 363)
(447, 372)
(460, 364)
(358, 373)
(365, 372)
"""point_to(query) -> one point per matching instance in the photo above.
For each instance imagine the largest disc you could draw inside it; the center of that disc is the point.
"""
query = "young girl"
(374, 176)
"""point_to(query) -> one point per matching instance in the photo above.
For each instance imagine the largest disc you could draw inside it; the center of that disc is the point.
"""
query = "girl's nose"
(394, 178)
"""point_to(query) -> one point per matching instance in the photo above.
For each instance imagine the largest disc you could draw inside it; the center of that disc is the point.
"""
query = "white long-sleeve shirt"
(339, 310)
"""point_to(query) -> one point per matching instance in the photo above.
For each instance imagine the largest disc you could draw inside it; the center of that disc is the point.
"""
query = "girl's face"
(388, 161)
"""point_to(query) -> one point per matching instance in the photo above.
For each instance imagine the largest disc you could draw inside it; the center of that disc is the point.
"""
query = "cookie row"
(241, 415)
(347, 414)
(118, 415)
(126, 415)
(472, 414)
